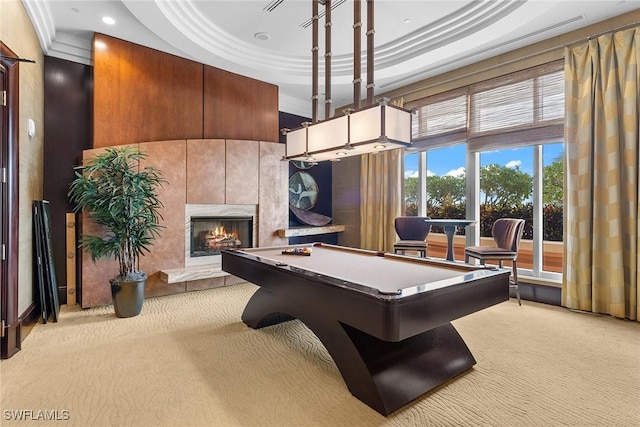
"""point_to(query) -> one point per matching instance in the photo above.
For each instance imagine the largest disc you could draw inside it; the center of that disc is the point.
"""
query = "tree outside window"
(506, 191)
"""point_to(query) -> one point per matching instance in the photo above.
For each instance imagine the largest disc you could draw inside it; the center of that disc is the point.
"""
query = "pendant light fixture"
(373, 128)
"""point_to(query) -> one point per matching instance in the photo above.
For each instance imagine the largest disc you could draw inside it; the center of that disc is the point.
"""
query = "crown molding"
(42, 21)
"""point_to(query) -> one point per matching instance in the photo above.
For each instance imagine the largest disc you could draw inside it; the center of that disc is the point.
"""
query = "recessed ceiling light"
(107, 20)
(262, 36)
(407, 21)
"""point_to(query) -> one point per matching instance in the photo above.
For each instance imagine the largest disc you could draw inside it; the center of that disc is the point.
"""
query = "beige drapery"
(602, 199)
(381, 197)
(381, 201)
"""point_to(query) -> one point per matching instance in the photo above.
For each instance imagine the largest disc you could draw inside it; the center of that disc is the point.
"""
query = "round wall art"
(303, 191)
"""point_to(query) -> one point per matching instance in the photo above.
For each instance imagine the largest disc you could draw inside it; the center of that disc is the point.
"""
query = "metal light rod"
(327, 59)
(357, 60)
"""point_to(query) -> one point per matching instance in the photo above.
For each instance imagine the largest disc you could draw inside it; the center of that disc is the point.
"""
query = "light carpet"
(188, 360)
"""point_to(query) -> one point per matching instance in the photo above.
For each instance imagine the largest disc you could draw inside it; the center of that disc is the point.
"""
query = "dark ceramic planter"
(127, 297)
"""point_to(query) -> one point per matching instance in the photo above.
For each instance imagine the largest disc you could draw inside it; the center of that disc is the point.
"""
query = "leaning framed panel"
(385, 319)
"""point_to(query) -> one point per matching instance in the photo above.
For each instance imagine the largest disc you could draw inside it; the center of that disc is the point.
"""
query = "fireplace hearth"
(211, 234)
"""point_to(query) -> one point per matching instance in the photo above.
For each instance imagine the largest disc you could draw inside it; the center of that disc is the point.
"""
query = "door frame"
(12, 329)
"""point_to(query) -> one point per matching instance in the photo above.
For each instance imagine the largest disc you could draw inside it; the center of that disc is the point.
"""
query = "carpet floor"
(189, 360)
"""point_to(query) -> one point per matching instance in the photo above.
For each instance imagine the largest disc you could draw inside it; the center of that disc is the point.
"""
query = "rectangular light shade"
(328, 135)
(366, 125)
(397, 124)
(296, 142)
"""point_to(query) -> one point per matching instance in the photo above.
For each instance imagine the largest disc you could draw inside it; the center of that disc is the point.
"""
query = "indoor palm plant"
(120, 196)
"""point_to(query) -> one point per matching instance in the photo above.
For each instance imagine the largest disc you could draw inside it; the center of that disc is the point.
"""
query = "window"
(444, 176)
(506, 187)
(494, 149)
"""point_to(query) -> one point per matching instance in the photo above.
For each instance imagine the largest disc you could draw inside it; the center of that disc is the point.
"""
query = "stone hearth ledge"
(187, 274)
(310, 231)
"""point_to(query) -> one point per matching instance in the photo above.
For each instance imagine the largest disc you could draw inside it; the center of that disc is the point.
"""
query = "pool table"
(385, 319)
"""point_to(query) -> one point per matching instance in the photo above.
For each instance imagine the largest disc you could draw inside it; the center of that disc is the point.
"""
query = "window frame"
(537, 133)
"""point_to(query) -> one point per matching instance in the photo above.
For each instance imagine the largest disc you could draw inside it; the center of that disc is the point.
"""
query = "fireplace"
(210, 234)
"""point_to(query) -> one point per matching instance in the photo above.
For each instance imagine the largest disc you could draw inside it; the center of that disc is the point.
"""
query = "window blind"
(521, 108)
(440, 119)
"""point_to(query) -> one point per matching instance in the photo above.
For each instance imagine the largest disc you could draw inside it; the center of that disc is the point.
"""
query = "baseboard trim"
(30, 316)
(551, 295)
(16, 333)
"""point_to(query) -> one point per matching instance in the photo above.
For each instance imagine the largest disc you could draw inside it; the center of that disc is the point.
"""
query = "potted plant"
(122, 198)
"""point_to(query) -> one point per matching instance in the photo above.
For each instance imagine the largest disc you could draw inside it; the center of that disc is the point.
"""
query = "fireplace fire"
(209, 235)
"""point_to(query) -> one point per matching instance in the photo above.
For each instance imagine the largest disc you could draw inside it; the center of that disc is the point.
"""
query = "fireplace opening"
(209, 235)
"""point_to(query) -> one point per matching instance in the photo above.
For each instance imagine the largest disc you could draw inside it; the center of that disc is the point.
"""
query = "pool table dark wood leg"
(384, 375)
(261, 310)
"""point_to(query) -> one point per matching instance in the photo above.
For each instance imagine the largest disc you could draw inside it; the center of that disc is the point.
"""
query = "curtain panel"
(381, 197)
(602, 196)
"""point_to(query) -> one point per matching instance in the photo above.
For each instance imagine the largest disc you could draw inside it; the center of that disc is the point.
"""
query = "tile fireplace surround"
(205, 177)
(204, 210)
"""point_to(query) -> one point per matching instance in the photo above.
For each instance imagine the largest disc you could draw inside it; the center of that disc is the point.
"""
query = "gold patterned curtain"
(381, 197)
(602, 196)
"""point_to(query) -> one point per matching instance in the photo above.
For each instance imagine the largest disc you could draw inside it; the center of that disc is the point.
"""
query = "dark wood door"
(9, 76)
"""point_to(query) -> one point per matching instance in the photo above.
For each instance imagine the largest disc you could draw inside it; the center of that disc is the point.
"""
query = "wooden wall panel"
(242, 163)
(141, 94)
(237, 107)
(273, 195)
(167, 251)
(67, 126)
(346, 199)
(206, 171)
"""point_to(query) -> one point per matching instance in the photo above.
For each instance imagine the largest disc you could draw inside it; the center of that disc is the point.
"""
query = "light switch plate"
(31, 128)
